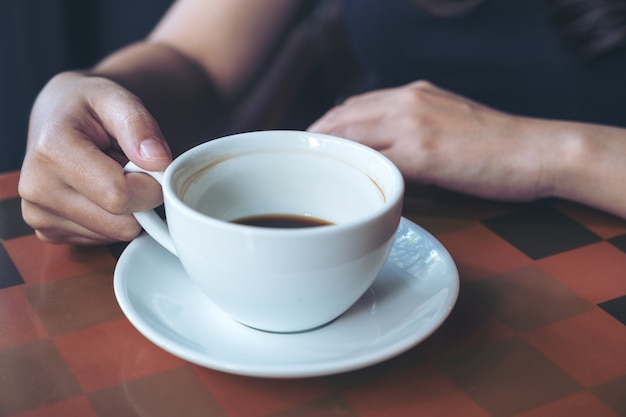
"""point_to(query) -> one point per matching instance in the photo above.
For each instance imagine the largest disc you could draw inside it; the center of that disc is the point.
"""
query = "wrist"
(566, 147)
(589, 166)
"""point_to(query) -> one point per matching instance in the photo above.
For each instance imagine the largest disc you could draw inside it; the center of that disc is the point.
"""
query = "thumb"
(136, 131)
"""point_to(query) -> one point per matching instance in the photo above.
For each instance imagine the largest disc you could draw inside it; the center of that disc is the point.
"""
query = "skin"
(85, 125)
(437, 137)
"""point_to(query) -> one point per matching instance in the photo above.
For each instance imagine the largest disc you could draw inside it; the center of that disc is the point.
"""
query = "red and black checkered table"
(539, 329)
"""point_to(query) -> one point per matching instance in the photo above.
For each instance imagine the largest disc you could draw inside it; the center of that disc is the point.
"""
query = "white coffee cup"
(279, 279)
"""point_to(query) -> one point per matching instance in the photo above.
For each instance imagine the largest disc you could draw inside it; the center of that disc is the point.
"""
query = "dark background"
(39, 38)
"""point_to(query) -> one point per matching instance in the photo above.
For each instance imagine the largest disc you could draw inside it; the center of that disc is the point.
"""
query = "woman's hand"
(82, 130)
(436, 137)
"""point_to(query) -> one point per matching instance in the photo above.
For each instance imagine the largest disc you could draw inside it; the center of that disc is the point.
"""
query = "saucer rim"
(328, 366)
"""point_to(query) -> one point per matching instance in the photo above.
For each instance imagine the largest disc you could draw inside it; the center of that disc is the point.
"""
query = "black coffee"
(282, 221)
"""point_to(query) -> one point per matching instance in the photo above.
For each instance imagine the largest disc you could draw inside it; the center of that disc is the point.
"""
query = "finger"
(343, 113)
(53, 229)
(132, 127)
(360, 122)
(77, 209)
(59, 228)
(364, 133)
(104, 183)
(72, 236)
(75, 162)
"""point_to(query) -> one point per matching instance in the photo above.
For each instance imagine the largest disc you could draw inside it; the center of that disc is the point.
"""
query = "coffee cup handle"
(154, 225)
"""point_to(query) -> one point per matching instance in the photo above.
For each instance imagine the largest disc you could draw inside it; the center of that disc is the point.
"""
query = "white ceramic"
(281, 280)
(411, 297)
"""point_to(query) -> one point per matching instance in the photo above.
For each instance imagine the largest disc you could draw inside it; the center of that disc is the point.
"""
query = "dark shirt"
(503, 53)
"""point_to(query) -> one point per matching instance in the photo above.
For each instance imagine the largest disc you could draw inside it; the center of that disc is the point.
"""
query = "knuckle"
(127, 232)
(416, 95)
(31, 216)
(349, 101)
(34, 183)
(26, 190)
(48, 237)
(43, 227)
(115, 200)
(136, 116)
(422, 84)
(45, 141)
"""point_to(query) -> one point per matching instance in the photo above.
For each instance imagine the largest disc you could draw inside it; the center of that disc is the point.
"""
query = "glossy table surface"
(539, 329)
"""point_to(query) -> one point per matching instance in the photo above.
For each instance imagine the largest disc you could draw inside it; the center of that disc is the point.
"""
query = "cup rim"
(391, 203)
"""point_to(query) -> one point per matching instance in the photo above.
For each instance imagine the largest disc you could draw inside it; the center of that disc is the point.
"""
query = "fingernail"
(153, 149)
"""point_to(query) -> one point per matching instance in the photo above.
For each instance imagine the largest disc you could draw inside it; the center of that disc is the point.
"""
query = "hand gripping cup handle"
(154, 225)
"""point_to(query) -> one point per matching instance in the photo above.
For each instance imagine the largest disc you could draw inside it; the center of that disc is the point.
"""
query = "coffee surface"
(282, 221)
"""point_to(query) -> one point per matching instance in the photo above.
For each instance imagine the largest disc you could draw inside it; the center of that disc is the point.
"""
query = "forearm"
(178, 93)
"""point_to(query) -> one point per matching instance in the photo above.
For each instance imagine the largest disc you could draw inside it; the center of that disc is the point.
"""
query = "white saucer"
(411, 298)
